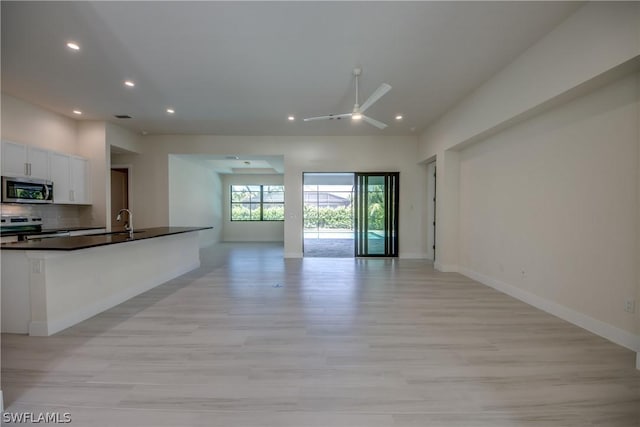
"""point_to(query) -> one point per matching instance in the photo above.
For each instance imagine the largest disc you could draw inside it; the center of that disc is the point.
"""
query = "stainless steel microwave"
(26, 190)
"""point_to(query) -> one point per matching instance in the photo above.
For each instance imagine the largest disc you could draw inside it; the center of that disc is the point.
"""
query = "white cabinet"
(70, 174)
(21, 160)
(61, 177)
(70, 179)
(14, 159)
(38, 160)
(79, 179)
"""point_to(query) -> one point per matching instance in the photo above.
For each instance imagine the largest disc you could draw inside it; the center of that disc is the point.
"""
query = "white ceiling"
(240, 68)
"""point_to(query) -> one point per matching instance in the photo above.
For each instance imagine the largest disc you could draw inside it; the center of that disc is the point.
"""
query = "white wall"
(546, 146)
(550, 206)
(91, 137)
(29, 124)
(195, 197)
(554, 66)
(122, 138)
(301, 154)
(250, 231)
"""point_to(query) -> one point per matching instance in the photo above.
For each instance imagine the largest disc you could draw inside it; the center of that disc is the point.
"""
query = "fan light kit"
(358, 110)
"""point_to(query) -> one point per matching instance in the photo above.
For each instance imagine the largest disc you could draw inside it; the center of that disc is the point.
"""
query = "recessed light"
(129, 83)
(73, 45)
(399, 117)
(291, 118)
(170, 110)
(78, 112)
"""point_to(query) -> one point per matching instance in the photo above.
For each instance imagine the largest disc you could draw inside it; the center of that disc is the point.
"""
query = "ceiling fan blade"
(379, 93)
(329, 117)
(374, 122)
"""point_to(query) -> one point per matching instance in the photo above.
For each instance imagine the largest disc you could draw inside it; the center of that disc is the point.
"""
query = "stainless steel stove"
(13, 224)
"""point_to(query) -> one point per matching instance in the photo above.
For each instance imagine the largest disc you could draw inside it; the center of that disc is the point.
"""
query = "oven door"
(25, 190)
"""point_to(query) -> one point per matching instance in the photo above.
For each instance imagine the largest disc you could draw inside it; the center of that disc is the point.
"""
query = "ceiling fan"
(358, 110)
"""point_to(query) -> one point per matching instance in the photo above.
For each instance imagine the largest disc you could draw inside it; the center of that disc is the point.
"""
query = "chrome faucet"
(129, 225)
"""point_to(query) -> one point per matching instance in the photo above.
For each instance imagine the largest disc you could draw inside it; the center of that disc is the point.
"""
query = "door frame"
(353, 201)
(431, 209)
(129, 168)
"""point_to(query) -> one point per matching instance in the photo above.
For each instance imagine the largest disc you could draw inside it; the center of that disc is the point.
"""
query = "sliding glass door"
(376, 214)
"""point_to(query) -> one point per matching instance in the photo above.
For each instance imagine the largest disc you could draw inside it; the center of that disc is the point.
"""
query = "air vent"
(122, 116)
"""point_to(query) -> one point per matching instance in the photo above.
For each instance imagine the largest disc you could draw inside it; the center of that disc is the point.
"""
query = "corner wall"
(92, 144)
(549, 210)
(32, 125)
(539, 174)
(195, 197)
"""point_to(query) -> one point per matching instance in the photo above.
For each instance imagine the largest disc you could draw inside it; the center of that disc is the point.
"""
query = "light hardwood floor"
(250, 339)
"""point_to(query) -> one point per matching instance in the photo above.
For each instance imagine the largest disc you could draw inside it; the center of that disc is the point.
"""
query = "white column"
(447, 210)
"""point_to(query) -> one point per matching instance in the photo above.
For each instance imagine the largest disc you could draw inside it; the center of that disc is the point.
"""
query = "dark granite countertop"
(94, 240)
(49, 231)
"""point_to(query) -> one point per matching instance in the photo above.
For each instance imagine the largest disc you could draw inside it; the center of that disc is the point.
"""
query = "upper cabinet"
(61, 177)
(69, 173)
(79, 180)
(19, 160)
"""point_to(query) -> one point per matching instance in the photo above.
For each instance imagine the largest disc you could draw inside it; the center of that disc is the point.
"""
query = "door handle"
(46, 192)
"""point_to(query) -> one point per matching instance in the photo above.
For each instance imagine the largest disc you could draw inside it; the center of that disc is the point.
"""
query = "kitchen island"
(51, 284)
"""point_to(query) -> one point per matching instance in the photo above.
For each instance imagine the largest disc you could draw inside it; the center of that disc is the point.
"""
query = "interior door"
(376, 214)
(119, 193)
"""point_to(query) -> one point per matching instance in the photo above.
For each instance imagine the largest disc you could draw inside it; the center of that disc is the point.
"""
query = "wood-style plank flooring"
(250, 339)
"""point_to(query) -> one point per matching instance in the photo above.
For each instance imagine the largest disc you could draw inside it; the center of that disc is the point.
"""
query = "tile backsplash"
(53, 216)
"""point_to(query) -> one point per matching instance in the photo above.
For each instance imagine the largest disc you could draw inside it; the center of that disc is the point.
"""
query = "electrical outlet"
(630, 305)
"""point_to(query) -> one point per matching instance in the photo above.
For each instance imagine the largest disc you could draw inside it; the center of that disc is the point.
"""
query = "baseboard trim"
(293, 254)
(445, 268)
(598, 327)
(45, 329)
(413, 255)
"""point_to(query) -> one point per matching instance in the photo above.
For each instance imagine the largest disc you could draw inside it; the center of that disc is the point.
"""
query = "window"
(257, 203)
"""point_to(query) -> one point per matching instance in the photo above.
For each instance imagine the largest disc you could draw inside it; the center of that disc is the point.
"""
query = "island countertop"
(94, 240)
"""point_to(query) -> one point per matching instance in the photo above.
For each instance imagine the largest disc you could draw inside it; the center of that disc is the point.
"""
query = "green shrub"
(273, 213)
(328, 217)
